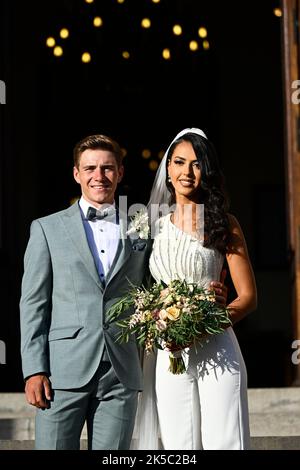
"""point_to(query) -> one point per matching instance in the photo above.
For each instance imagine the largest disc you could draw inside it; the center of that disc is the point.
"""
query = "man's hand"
(220, 289)
(38, 391)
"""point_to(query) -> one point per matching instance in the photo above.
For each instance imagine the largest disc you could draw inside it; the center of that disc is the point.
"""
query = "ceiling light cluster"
(146, 23)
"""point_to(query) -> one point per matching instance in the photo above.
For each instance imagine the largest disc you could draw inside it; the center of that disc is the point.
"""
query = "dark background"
(233, 92)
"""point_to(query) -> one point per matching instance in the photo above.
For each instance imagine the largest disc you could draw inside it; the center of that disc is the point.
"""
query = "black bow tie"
(97, 214)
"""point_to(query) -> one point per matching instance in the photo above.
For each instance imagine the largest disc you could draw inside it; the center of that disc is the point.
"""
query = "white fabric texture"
(206, 407)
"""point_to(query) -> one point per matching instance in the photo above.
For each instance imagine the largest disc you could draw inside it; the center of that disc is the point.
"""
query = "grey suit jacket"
(63, 305)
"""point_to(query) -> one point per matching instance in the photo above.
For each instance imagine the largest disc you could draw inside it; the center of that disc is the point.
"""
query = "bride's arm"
(220, 289)
(241, 274)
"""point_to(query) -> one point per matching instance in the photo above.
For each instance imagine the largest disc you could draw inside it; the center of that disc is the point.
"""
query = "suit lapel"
(123, 251)
(72, 221)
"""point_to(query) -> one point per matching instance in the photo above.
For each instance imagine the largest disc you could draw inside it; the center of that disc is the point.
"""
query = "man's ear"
(76, 174)
(121, 173)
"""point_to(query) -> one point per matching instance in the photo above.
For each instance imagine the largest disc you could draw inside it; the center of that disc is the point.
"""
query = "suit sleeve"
(35, 303)
(148, 279)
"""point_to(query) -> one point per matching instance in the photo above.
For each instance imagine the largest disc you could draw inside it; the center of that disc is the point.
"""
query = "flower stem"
(177, 365)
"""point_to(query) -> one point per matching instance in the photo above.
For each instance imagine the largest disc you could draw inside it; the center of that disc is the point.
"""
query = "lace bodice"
(178, 255)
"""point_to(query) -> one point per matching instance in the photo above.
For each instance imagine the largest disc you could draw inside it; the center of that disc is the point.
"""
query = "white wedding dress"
(206, 407)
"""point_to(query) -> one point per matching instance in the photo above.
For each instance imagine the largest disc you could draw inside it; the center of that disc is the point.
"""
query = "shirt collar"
(84, 205)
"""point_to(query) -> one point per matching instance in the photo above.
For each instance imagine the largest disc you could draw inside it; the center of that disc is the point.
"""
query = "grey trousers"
(105, 404)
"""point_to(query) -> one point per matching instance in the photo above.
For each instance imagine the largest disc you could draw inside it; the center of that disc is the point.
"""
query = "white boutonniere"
(139, 224)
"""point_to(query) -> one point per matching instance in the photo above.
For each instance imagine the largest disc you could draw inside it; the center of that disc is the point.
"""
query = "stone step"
(273, 412)
(17, 428)
(257, 443)
(22, 429)
(20, 444)
(14, 405)
(275, 442)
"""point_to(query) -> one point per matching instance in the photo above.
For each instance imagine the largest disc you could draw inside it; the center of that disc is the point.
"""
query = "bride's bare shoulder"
(237, 241)
(234, 224)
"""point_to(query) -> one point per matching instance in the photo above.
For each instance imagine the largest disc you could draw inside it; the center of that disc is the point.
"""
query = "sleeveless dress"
(206, 407)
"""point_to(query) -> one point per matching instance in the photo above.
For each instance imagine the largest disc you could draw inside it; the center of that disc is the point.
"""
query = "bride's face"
(184, 171)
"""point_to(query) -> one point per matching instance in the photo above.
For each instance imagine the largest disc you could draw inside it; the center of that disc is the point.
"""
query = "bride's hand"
(172, 347)
(220, 289)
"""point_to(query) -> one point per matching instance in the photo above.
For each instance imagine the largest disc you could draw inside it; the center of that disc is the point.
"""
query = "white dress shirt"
(103, 237)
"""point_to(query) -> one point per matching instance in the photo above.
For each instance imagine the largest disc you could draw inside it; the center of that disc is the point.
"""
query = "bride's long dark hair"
(212, 191)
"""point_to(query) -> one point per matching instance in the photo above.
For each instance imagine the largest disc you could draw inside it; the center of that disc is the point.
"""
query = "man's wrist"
(33, 375)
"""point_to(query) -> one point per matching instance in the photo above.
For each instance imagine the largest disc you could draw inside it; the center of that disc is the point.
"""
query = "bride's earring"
(169, 179)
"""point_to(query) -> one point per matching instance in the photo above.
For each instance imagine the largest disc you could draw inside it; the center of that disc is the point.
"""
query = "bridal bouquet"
(170, 317)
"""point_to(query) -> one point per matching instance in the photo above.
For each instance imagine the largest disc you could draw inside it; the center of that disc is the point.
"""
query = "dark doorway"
(230, 87)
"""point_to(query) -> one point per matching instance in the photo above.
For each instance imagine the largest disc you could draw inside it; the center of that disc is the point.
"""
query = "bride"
(206, 407)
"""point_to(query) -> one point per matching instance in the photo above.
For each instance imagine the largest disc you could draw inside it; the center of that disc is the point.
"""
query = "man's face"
(98, 176)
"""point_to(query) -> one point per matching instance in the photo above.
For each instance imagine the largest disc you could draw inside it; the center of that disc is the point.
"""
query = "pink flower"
(155, 314)
(161, 325)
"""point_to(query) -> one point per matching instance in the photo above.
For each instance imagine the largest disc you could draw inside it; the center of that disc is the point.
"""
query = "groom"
(78, 263)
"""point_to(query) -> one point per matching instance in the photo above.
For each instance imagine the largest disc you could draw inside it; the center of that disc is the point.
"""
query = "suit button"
(105, 326)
